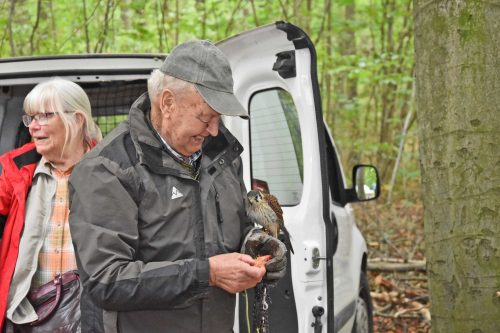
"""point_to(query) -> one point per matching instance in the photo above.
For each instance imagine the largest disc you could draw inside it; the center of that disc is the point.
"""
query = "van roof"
(21, 70)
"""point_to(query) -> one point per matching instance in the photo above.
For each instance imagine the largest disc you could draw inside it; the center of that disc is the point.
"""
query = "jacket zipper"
(219, 214)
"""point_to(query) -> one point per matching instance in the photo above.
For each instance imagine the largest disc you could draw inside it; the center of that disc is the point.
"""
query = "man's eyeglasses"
(40, 118)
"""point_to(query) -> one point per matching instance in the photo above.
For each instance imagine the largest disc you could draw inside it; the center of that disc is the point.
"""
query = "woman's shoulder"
(22, 156)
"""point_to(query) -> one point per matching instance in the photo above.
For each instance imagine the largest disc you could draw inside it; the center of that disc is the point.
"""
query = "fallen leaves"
(401, 302)
(396, 266)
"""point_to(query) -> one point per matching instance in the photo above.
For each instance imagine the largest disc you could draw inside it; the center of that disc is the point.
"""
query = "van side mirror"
(365, 184)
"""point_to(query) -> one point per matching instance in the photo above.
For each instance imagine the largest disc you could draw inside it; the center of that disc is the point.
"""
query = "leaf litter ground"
(396, 261)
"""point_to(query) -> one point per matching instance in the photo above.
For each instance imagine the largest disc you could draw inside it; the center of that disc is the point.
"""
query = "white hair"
(62, 96)
(159, 81)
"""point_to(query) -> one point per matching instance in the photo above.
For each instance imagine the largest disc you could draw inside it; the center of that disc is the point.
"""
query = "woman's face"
(49, 138)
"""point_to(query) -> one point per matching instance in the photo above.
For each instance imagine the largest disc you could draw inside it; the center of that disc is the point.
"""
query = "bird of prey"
(265, 210)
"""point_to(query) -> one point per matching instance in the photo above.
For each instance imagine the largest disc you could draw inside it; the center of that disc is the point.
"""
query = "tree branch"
(231, 20)
(9, 28)
(283, 8)
(177, 22)
(375, 265)
(255, 18)
(328, 4)
(33, 31)
(110, 8)
(401, 146)
(86, 28)
(85, 24)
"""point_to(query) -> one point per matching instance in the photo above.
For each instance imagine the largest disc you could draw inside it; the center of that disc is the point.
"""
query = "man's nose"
(213, 127)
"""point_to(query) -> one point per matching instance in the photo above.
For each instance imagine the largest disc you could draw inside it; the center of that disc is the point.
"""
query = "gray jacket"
(143, 229)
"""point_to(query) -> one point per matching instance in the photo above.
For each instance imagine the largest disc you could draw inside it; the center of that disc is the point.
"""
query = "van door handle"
(316, 258)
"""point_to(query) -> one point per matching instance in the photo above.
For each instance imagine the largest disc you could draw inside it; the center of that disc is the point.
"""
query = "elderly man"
(158, 208)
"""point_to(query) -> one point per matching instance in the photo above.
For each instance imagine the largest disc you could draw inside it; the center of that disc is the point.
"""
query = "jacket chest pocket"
(168, 221)
(230, 212)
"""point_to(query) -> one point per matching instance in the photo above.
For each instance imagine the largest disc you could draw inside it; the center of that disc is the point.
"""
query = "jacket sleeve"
(104, 228)
(5, 200)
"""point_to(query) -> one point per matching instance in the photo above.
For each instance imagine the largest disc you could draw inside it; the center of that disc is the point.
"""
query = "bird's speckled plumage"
(265, 210)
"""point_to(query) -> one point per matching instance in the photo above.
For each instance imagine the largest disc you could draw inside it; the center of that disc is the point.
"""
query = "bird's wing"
(275, 206)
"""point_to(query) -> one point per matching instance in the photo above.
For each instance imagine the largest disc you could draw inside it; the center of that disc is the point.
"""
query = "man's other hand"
(234, 272)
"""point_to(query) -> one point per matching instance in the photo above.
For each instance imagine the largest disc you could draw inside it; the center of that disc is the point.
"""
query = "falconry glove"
(259, 243)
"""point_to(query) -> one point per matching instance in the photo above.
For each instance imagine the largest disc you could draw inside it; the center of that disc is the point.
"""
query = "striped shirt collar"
(191, 160)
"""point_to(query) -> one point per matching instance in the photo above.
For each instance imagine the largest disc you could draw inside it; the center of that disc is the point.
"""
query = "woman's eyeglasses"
(40, 118)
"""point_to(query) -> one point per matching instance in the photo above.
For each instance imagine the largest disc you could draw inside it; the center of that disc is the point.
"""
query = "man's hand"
(234, 272)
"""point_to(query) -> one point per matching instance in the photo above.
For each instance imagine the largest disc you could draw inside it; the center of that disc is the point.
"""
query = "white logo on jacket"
(176, 193)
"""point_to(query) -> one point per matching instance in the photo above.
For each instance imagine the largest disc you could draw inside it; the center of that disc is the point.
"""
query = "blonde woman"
(35, 247)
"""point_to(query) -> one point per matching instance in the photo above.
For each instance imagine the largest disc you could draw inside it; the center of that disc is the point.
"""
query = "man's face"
(188, 122)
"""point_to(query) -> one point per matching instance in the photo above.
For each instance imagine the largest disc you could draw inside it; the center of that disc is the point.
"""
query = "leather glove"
(258, 243)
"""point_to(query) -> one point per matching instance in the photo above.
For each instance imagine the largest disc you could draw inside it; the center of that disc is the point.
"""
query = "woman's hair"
(64, 98)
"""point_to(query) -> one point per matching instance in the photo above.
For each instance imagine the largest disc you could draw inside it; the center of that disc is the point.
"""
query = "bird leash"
(261, 304)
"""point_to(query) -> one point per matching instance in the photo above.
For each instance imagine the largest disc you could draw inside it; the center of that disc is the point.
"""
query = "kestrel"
(265, 210)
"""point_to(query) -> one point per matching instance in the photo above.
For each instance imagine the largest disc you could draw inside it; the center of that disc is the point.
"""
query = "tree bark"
(457, 44)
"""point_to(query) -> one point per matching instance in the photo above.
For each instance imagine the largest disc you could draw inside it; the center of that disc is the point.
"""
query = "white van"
(288, 151)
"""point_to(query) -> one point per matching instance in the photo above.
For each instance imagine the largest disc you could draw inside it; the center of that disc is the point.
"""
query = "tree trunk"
(35, 26)
(458, 106)
(327, 63)
(9, 28)
(86, 27)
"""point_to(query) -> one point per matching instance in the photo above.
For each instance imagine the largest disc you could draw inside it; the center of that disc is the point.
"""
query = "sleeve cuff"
(202, 274)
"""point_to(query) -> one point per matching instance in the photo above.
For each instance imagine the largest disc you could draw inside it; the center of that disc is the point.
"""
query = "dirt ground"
(395, 235)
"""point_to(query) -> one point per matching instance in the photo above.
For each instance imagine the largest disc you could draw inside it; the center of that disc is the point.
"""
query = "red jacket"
(16, 174)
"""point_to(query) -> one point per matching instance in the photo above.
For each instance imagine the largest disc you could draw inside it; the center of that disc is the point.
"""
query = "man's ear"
(167, 101)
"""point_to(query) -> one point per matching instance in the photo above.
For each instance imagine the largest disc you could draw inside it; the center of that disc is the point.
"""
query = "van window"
(276, 145)
(111, 101)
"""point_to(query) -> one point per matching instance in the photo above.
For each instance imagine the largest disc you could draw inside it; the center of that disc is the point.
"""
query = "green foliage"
(364, 47)
(372, 74)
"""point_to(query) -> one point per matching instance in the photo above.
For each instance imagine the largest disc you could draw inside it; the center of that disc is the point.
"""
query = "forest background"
(365, 65)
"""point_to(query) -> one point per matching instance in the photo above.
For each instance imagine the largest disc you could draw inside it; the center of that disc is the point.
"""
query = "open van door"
(289, 151)
(274, 69)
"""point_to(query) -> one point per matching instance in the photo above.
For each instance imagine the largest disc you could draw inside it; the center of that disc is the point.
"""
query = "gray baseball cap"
(202, 63)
